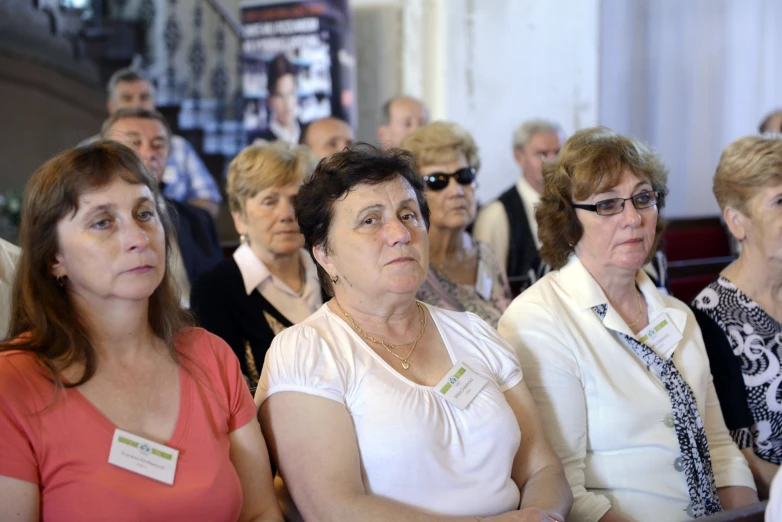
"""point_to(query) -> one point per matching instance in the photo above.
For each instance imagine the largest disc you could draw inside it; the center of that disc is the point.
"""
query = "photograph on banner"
(298, 66)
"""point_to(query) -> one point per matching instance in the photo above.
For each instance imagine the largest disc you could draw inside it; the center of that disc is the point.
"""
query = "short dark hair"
(126, 75)
(134, 112)
(340, 173)
(279, 67)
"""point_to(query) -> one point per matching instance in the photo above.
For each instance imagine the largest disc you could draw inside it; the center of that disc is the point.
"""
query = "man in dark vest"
(508, 224)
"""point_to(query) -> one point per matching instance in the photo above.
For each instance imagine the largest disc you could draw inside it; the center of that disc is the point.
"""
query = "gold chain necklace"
(386, 345)
(640, 309)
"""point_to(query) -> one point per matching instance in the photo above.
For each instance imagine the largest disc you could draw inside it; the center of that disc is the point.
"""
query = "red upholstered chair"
(697, 250)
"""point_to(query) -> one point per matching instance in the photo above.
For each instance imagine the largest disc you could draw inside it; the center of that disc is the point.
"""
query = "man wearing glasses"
(508, 224)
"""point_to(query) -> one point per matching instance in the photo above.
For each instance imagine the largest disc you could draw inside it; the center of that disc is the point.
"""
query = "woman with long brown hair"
(110, 407)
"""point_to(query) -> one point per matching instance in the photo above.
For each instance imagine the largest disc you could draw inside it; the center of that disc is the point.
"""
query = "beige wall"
(485, 64)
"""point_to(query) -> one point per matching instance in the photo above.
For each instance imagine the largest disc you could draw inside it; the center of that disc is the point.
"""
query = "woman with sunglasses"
(618, 369)
(464, 274)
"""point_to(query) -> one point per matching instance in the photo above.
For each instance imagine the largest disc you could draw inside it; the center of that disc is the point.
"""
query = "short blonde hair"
(259, 167)
(746, 166)
(441, 142)
(591, 161)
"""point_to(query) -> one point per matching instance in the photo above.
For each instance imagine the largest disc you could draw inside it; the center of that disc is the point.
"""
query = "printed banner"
(298, 66)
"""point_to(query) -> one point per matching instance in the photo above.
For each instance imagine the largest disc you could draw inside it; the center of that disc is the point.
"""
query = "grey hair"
(529, 128)
(126, 75)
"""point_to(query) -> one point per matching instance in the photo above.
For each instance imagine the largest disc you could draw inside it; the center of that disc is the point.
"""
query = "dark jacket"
(523, 266)
(222, 306)
(197, 238)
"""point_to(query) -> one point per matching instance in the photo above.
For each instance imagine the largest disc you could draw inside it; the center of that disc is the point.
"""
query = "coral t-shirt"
(61, 442)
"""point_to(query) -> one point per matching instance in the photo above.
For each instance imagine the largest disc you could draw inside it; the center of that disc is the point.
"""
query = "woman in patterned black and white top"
(740, 312)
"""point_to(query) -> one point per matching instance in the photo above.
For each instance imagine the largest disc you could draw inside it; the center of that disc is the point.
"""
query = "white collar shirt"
(284, 133)
(608, 417)
(530, 198)
(296, 306)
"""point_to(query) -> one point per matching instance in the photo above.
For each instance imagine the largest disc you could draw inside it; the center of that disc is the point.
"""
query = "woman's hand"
(529, 514)
(537, 470)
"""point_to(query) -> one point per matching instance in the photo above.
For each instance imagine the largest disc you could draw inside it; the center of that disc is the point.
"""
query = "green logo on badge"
(131, 443)
(145, 448)
(162, 454)
(453, 380)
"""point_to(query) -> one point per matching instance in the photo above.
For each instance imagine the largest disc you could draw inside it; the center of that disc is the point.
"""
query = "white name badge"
(143, 456)
(483, 283)
(460, 386)
(661, 335)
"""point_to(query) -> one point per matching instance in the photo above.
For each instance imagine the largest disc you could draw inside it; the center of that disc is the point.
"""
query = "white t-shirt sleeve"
(300, 360)
(500, 356)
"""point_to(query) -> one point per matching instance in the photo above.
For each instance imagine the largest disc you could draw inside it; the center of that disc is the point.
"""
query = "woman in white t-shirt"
(378, 407)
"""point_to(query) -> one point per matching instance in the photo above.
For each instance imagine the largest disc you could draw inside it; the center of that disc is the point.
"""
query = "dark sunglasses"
(609, 207)
(440, 180)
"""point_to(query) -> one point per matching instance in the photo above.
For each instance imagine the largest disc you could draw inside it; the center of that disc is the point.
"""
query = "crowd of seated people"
(398, 373)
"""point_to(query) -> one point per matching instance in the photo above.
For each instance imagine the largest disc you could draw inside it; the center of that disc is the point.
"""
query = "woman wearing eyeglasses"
(464, 274)
(619, 370)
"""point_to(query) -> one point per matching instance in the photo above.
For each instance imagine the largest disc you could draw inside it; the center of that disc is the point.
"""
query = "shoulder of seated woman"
(19, 371)
(196, 342)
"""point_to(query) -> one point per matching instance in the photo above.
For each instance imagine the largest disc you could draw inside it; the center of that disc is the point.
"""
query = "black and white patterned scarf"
(694, 447)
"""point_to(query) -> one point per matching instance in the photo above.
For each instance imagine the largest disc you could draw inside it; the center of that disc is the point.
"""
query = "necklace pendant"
(405, 365)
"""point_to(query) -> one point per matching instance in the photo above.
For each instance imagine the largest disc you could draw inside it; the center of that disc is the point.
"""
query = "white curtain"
(688, 77)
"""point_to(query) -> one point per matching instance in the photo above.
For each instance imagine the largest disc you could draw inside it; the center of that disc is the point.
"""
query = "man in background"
(401, 116)
(186, 178)
(508, 224)
(327, 136)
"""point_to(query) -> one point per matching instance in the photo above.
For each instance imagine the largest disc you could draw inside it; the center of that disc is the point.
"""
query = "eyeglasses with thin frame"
(439, 180)
(609, 207)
